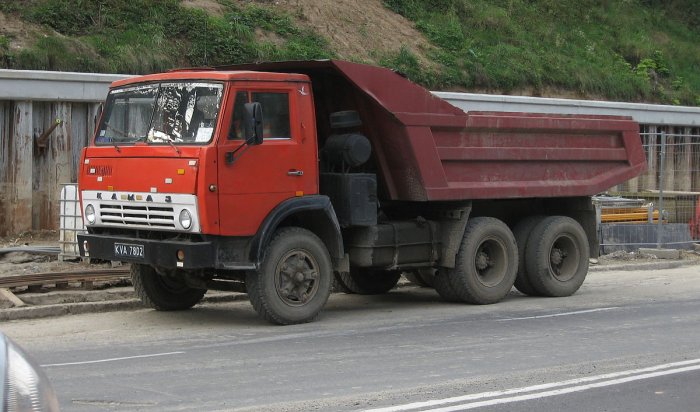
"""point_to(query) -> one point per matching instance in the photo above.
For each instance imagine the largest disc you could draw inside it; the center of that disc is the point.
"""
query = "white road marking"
(614, 378)
(112, 359)
(564, 391)
(578, 312)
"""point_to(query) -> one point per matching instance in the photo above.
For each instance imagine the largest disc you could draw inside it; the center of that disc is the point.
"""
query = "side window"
(275, 114)
(236, 131)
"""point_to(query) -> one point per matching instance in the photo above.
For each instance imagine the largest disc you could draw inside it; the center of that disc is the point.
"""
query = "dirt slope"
(19, 32)
(356, 28)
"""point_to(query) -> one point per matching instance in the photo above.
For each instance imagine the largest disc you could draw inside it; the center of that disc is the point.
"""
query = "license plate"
(129, 250)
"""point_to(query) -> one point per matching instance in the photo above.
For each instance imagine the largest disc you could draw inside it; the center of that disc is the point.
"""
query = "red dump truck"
(284, 179)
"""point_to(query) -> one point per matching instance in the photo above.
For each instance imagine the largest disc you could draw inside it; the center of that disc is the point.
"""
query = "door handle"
(295, 172)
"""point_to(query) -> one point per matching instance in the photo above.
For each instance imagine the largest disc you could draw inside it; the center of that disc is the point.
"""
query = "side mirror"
(253, 123)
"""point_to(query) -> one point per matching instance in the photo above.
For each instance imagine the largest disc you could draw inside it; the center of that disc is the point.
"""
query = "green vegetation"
(626, 50)
(632, 50)
(142, 36)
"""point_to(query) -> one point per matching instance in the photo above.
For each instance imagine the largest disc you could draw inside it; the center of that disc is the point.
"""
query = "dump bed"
(427, 149)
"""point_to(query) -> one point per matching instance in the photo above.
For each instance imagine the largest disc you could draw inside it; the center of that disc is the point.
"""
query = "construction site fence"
(661, 207)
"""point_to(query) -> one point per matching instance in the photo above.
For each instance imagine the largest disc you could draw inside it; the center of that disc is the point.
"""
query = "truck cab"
(169, 140)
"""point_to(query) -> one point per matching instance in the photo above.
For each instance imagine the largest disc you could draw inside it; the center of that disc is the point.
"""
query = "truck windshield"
(175, 112)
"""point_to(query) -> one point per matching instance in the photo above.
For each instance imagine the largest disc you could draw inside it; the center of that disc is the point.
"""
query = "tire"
(443, 286)
(557, 256)
(338, 286)
(294, 280)
(522, 233)
(163, 293)
(487, 262)
(365, 281)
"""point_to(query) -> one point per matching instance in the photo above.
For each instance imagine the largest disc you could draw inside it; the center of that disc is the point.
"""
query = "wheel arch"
(314, 213)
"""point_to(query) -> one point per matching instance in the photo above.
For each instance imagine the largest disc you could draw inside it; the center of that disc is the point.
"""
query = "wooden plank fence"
(46, 118)
(30, 176)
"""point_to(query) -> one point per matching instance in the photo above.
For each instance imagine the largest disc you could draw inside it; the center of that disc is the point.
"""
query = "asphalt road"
(628, 341)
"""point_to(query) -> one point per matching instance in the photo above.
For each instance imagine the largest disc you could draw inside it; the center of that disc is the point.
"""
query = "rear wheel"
(557, 256)
(365, 281)
(522, 233)
(487, 262)
(294, 279)
(338, 285)
(161, 292)
(443, 286)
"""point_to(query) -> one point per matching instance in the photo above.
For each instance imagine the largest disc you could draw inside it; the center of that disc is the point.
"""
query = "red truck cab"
(203, 112)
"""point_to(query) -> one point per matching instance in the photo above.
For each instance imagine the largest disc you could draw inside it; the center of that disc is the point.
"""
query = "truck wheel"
(522, 233)
(557, 256)
(443, 286)
(294, 279)
(163, 293)
(338, 285)
(365, 281)
(487, 262)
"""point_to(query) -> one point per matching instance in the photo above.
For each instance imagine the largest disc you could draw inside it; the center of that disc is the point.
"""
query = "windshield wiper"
(157, 135)
(170, 142)
(119, 132)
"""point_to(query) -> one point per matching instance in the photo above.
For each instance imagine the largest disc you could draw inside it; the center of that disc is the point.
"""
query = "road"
(626, 341)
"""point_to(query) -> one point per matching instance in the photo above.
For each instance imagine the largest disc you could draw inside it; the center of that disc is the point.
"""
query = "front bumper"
(162, 253)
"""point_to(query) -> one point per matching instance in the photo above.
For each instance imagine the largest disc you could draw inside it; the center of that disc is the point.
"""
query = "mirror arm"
(231, 156)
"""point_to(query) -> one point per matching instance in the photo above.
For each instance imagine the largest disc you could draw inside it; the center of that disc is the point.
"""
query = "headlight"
(185, 218)
(25, 387)
(90, 214)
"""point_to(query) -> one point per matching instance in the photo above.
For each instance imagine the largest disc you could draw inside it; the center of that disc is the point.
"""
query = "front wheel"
(163, 293)
(294, 279)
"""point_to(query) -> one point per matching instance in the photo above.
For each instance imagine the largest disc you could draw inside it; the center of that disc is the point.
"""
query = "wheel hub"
(482, 260)
(557, 256)
(296, 278)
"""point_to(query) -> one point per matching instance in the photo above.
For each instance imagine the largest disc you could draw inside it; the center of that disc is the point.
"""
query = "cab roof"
(216, 75)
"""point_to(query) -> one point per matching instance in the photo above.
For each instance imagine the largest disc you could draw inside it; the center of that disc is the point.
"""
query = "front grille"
(142, 210)
(137, 215)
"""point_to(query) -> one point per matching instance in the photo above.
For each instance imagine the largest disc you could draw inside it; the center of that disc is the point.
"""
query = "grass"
(144, 36)
(629, 50)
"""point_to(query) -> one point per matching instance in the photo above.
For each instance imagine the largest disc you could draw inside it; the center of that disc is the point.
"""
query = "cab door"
(261, 177)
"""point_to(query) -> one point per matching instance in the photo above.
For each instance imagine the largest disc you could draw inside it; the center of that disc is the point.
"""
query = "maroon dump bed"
(427, 149)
